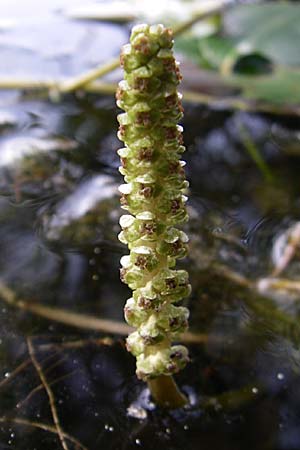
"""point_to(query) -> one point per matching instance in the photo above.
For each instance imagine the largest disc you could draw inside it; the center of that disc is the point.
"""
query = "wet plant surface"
(59, 220)
(73, 386)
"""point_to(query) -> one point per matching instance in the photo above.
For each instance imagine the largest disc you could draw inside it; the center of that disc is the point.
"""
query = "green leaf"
(189, 46)
(271, 29)
(282, 86)
(214, 49)
(256, 50)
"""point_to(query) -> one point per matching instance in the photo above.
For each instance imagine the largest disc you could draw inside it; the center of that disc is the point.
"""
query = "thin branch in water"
(82, 321)
(234, 400)
(20, 369)
(44, 427)
(59, 347)
(232, 276)
(57, 363)
(278, 284)
(76, 344)
(49, 393)
(255, 154)
(63, 316)
(15, 372)
(40, 387)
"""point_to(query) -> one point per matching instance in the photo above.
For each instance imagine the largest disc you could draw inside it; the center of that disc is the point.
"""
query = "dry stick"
(49, 393)
(42, 426)
(82, 321)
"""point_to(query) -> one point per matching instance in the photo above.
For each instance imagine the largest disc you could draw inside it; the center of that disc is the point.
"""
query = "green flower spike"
(153, 194)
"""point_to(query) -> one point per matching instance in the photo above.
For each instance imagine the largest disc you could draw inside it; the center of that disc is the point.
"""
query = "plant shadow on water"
(59, 213)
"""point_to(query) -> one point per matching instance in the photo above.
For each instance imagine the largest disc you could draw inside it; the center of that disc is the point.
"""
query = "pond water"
(59, 211)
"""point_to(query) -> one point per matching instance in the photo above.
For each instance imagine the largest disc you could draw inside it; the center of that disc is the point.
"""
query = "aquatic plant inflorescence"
(153, 194)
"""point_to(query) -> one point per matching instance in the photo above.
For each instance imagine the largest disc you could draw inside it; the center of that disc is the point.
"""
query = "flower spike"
(153, 196)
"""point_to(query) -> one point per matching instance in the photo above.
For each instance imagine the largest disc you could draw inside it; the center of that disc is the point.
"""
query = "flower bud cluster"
(153, 195)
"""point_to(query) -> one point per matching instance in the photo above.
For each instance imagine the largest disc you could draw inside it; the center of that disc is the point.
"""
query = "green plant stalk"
(153, 194)
(254, 153)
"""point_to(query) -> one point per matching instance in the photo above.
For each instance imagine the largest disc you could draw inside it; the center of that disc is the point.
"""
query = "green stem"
(91, 75)
(201, 15)
(234, 400)
(166, 393)
(27, 84)
(255, 154)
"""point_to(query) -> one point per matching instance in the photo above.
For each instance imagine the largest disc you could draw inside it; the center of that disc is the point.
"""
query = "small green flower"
(153, 196)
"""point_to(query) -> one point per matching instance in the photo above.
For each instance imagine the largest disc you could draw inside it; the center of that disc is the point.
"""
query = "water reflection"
(58, 248)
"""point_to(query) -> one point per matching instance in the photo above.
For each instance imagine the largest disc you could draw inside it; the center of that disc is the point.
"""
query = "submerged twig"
(279, 285)
(82, 321)
(233, 400)
(15, 372)
(63, 316)
(49, 393)
(20, 369)
(263, 306)
(42, 426)
(41, 386)
(75, 344)
(232, 276)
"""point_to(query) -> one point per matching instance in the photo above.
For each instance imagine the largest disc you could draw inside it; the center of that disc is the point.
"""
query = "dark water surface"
(59, 213)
